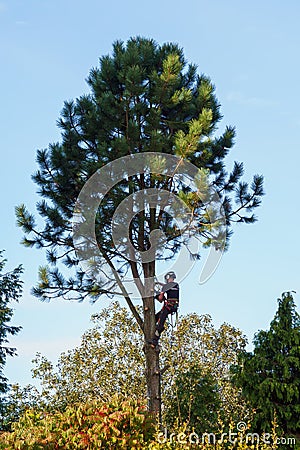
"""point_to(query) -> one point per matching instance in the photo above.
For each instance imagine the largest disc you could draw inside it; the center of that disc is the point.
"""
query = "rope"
(173, 325)
(172, 365)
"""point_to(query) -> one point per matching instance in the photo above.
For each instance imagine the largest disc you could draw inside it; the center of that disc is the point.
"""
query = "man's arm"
(160, 297)
(167, 286)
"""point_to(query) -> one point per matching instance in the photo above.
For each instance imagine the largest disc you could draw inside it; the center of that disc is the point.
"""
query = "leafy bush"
(118, 425)
(93, 425)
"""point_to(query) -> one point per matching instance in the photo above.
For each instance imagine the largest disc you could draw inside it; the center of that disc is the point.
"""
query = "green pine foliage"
(270, 375)
(10, 289)
(144, 97)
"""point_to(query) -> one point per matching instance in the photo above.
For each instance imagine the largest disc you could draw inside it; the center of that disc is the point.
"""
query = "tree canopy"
(10, 290)
(108, 363)
(270, 375)
(143, 98)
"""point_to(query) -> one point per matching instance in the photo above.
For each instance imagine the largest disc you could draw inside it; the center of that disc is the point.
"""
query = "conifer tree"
(270, 375)
(143, 98)
(10, 289)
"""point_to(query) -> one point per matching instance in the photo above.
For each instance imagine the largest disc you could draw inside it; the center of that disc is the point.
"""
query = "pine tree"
(144, 99)
(10, 289)
(270, 375)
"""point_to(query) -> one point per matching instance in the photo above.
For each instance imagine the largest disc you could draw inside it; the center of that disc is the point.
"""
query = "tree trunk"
(152, 355)
(152, 360)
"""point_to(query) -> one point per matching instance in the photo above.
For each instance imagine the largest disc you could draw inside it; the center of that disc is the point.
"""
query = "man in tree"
(147, 125)
(169, 295)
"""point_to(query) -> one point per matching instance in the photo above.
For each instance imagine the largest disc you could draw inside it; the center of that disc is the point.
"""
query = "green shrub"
(93, 425)
(119, 424)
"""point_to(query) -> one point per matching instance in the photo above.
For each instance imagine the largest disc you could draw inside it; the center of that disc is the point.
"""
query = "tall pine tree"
(143, 98)
(270, 375)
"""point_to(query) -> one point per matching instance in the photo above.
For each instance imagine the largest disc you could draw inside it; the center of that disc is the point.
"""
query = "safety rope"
(179, 356)
(173, 325)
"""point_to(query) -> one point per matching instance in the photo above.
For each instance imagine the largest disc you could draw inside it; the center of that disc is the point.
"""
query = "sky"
(250, 52)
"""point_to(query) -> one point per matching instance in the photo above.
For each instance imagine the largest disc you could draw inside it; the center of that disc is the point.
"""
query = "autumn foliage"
(115, 424)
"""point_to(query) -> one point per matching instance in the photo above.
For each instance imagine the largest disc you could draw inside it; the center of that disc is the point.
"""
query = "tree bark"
(152, 360)
(152, 355)
(148, 326)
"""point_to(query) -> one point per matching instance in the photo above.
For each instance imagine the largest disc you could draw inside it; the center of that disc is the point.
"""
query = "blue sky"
(250, 51)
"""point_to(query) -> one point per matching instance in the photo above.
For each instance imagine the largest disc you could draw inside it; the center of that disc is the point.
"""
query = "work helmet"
(170, 275)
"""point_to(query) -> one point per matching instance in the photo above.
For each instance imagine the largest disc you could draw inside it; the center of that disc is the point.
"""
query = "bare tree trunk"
(148, 327)
(152, 355)
(152, 360)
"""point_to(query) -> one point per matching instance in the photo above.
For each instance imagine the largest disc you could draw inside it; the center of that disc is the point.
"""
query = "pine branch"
(124, 292)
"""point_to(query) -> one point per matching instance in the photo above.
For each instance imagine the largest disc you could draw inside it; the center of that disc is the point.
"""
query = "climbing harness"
(168, 293)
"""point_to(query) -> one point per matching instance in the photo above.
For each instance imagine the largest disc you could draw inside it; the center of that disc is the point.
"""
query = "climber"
(169, 295)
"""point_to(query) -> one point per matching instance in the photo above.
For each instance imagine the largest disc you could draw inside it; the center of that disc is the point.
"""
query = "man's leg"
(161, 318)
(157, 316)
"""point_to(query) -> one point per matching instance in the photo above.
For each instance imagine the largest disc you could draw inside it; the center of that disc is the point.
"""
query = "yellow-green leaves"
(181, 95)
(157, 164)
(205, 90)
(92, 425)
(43, 277)
(171, 68)
(201, 181)
(187, 143)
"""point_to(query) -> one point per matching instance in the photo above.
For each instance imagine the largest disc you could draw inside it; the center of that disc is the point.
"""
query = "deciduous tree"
(196, 352)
